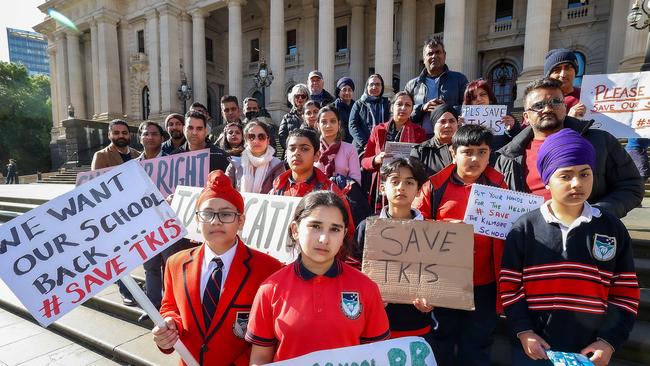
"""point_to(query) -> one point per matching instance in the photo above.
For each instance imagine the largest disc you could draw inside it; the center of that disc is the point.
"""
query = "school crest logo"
(604, 247)
(240, 324)
(350, 304)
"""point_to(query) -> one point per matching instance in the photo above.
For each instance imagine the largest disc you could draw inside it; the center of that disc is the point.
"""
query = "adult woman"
(398, 129)
(310, 114)
(232, 139)
(258, 166)
(337, 156)
(434, 153)
(369, 111)
(478, 92)
(343, 103)
(292, 120)
(317, 292)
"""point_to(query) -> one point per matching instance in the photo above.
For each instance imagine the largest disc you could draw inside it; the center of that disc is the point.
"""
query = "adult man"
(562, 64)
(151, 135)
(11, 172)
(435, 85)
(196, 130)
(116, 153)
(316, 91)
(251, 109)
(230, 109)
(618, 188)
(174, 124)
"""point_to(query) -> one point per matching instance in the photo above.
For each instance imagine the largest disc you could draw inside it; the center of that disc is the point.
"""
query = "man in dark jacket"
(316, 91)
(618, 187)
(196, 130)
(435, 85)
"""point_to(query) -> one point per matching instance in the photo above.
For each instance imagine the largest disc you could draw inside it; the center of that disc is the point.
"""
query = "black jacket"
(618, 187)
(451, 89)
(219, 159)
(290, 122)
(435, 157)
(344, 115)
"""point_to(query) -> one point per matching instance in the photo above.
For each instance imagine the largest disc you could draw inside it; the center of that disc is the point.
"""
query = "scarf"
(328, 155)
(255, 169)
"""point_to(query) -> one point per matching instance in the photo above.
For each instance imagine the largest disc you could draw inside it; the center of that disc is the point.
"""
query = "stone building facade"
(130, 57)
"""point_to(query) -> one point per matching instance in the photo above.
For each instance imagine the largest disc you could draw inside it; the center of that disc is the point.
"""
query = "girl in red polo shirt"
(318, 302)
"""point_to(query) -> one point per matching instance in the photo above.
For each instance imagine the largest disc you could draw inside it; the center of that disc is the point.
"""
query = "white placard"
(493, 210)
(406, 351)
(266, 226)
(485, 115)
(65, 251)
(396, 150)
(618, 103)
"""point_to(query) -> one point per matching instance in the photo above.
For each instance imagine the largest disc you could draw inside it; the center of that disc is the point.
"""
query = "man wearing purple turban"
(617, 186)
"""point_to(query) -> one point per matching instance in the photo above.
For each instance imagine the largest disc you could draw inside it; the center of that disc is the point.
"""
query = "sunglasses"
(553, 103)
(300, 96)
(259, 136)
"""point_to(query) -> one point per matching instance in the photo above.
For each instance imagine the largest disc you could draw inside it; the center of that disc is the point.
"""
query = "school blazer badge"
(241, 324)
(350, 305)
(604, 247)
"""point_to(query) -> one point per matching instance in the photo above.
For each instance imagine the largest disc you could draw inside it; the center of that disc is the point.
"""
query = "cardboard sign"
(485, 115)
(407, 351)
(396, 150)
(188, 169)
(266, 226)
(65, 251)
(493, 210)
(429, 259)
(618, 103)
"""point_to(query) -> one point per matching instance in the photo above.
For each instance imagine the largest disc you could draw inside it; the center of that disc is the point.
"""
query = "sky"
(20, 14)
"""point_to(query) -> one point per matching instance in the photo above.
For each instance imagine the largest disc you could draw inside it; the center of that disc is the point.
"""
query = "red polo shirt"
(300, 312)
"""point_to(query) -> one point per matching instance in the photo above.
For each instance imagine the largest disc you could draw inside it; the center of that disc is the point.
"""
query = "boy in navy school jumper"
(567, 281)
(465, 337)
(401, 180)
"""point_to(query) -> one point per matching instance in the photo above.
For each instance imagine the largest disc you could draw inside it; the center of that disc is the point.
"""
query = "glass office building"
(29, 49)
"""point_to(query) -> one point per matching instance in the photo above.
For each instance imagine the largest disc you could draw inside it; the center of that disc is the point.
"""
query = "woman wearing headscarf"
(369, 111)
(344, 103)
(434, 153)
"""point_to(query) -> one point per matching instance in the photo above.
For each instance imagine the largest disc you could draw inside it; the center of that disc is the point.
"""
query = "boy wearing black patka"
(567, 279)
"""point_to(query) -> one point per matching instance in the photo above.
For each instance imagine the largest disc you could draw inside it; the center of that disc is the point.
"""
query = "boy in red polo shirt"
(464, 337)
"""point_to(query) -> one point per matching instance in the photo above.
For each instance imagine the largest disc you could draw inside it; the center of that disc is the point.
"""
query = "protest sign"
(428, 259)
(485, 115)
(266, 226)
(396, 150)
(65, 251)
(406, 351)
(166, 172)
(493, 210)
(618, 103)
(567, 358)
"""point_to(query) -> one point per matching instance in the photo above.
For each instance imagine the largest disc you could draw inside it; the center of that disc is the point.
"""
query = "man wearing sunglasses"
(618, 187)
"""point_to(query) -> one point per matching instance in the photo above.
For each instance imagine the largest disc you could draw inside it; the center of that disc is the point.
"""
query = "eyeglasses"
(553, 103)
(259, 136)
(300, 96)
(225, 217)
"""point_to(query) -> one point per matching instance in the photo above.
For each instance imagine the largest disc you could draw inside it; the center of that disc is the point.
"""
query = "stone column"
(357, 46)
(326, 42)
(153, 56)
(62, 74)
(199, 76)
(384, 44)
(235, 48)
(110, 92)
(75, 75)
(186, 21)
(54, 78)
(454, 38)
(616, 42)
(170, 73)
(407, 67)
(94, 51)
(307, 52)
(634, 49)
(276, 59)
(470, 55)
(538, 23)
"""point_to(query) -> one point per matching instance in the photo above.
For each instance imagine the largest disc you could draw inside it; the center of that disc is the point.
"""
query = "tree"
(25, 118)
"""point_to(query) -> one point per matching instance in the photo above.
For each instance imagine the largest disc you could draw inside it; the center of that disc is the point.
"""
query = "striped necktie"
(212, 292)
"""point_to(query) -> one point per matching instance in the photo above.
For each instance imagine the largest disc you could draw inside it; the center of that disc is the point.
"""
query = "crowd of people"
(564, 277)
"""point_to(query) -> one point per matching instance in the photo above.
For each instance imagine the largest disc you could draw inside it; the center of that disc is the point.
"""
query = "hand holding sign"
(490, 116)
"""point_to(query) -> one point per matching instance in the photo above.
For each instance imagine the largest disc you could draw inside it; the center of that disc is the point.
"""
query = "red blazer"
(223, 343)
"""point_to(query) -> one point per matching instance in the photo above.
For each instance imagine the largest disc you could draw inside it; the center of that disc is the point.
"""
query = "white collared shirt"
(208, 265)
(587, 214)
